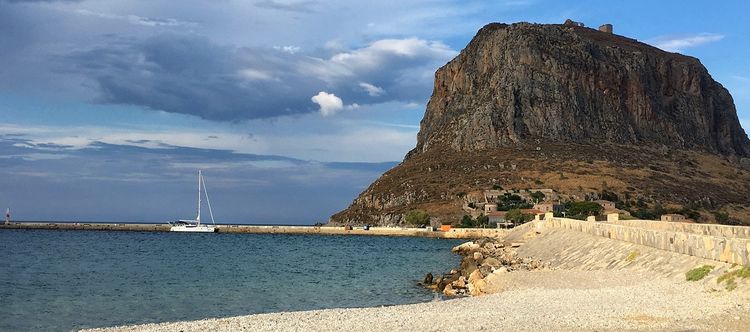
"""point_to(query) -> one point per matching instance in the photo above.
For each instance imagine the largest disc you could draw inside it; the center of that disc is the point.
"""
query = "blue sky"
(292, 107)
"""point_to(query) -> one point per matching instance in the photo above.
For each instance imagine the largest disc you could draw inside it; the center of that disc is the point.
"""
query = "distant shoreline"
(461, 233)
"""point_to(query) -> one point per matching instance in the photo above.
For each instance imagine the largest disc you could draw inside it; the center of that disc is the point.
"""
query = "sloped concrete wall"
(703, 229)
(729, 249)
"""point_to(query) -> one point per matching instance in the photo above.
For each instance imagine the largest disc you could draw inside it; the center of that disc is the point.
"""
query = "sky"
(291, 107)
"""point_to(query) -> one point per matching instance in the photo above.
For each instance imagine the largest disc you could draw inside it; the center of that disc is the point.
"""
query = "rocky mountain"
(529, 102)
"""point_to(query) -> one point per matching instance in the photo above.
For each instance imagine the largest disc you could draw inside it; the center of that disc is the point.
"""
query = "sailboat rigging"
(187, 225)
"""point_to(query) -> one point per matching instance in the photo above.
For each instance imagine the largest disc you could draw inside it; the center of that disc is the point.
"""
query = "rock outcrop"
(572, 109)
(530, 83)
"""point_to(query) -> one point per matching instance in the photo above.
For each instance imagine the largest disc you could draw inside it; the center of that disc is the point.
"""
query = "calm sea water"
(66, 280)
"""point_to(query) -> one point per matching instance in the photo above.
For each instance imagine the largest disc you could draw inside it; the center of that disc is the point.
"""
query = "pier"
(455, 233)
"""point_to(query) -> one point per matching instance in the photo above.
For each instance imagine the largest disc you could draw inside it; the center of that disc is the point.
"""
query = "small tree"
(515, 215)
(482, 220)
(467, 222)
(417, 217)
(584, 209)
(537, 196)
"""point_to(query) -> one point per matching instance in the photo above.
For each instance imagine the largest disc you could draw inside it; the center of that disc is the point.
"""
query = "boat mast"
(198, 219)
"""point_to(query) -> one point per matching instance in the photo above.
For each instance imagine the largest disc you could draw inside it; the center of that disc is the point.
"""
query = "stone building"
(607, 205)
(553, 207)
(488, 208)
(673, 217)
(606, 28)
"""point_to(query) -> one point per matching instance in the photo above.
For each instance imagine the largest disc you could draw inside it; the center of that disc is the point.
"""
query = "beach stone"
(468, 265)
(476, 288)
(478, 256)
(449, 291)
(447, 280)
(500, 270)
(474, 276)
(465, 247)
(485, 270)
(460, 283)
(492, 262)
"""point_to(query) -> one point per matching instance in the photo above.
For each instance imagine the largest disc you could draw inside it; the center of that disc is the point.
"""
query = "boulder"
(485, 270)
(465, 247)
(468, 265)
(491, 262)
(474, 276)
(449, 291)
(460, 283)
(427, 279)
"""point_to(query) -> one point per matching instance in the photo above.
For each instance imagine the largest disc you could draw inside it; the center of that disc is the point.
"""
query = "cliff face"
(555, 83)
(571, 109)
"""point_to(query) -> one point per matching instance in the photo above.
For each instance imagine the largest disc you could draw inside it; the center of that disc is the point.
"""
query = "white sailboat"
(195, 226)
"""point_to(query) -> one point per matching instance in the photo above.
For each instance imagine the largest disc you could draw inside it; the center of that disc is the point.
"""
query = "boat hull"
(193, 229)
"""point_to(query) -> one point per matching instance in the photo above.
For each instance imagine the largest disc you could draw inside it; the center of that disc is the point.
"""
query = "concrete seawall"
(460, 233)
(689, 239)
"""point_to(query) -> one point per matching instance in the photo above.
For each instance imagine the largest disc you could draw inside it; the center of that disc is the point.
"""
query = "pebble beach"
(539, 300)
(586, 284)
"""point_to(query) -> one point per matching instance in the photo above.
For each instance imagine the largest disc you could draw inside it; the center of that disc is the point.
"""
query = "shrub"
(698, 273)
(467, 222)
(584, 209)
(497, 187)
(417, 217)
(632, 256)
(537, 196)
(721, 217)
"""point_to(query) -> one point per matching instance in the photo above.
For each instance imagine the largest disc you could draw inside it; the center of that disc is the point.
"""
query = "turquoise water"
(65, 280)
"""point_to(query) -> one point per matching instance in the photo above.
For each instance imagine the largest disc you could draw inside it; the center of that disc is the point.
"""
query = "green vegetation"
(581, 210)
(731, 285)
(518, 217)
(721, 217)
(497, 187)
(472, 205)
(481, 221)
(537, 196)
(511, 201)
(538, 182)
(417, 217)
(698, 273)
(632, 256)
(730, 277)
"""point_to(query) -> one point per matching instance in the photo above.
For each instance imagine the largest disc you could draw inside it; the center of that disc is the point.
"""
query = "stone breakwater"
(484, 262)
(461, 233)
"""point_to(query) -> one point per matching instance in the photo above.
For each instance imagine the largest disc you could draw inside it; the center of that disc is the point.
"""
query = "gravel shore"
(595, 284)
(539, 300)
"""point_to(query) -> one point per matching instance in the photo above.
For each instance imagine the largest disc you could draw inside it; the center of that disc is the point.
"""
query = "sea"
(67, 280)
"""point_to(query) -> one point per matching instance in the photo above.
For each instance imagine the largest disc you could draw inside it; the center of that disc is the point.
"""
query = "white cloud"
(328, 102)
(372, 90)
(137, 20)
(288, 49)
(381, 55)
(680, 43)
(256, 75)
